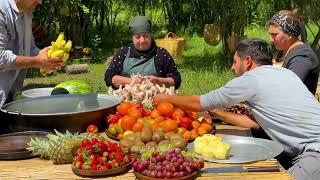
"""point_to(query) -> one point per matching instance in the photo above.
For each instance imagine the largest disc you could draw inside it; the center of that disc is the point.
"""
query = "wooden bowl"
(98, 173)
(188, 177)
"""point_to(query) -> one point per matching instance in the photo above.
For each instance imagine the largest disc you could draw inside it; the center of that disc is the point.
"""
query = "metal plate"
(246, 149)
(37, 92)
(13, 145)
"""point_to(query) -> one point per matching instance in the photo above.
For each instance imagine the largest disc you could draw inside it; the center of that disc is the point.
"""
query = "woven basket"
(211, 34)
(173, 44)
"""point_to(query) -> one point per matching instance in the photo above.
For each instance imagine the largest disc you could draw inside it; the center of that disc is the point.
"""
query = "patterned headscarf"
(288, 25)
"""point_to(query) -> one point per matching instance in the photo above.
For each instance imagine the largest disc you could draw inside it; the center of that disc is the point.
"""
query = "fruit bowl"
(187, 177)
(97, 173)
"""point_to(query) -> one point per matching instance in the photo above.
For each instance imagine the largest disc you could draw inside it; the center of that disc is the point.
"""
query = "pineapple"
(57, 147)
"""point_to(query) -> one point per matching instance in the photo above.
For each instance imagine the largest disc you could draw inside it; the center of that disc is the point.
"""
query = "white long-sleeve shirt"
(281, 104)
(15, 39)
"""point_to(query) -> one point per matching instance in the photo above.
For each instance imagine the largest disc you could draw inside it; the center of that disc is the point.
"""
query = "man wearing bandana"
(284, 30)
(142, 57)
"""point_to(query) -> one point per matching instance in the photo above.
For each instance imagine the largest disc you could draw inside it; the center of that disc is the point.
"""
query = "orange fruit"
(165, 109)
(194, 133)
(187, 135)
(193, 115)
(195, 124)
(202, 131)
(123, 108)
(207, 126)
(127, 122)
(137, 127)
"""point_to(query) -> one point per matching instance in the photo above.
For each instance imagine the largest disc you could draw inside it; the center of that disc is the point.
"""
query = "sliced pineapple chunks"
(211, 146)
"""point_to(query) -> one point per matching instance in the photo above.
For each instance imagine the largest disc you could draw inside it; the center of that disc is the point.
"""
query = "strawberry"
(119, 156)
(102, 160)
(80, 157)
(86, 143)
(112, 147)
(107, 165)
(111, 155)
(124, 149)
(93, 157)
(78, 164)
(94, 167)
(94, 141)
(115, 163)
(102, 146)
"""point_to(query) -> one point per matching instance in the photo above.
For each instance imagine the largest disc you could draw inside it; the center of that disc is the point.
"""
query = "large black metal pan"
(73, 112)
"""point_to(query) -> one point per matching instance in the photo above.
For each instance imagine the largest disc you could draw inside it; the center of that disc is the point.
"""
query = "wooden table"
(42, 169)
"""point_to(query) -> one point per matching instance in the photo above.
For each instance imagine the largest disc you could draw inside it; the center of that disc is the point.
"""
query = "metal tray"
(13, 146)
(246, 149)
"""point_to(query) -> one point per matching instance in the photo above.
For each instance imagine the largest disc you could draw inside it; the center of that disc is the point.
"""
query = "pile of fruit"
(170, 164)
(145, 140)
(95, 154)
(131, 118)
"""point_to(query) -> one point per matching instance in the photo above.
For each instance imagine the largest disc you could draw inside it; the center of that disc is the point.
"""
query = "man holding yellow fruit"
(17, 47)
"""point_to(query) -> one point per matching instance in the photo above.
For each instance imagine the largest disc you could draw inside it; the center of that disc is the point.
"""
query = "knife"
(241, 169)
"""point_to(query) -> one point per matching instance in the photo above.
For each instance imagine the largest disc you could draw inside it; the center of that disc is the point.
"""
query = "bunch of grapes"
(170, 164)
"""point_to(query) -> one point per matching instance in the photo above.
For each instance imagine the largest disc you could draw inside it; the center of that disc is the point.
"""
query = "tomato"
(165, 109)
(137, 127)
(123, 108)
(178, 114)
(134, 113)
(169, 125)
(154, 114)
(127, 122)
(92, 129)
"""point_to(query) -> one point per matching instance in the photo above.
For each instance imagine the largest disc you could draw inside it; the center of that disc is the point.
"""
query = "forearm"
(118, 80)
(189, 103)
(168, 81)
(24, 62)
(235, 119)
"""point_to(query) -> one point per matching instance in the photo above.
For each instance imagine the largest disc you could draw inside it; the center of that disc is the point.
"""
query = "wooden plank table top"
(42, 169)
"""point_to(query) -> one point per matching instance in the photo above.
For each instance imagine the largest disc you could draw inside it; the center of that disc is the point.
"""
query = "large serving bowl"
(73, 112)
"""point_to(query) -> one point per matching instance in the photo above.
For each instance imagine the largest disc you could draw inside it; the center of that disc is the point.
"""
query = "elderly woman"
(284, 30)
(144, 58)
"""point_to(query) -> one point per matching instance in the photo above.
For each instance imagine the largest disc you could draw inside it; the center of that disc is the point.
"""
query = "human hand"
(159, 98)
(46, 63)
(154, 79)
(136, 79)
